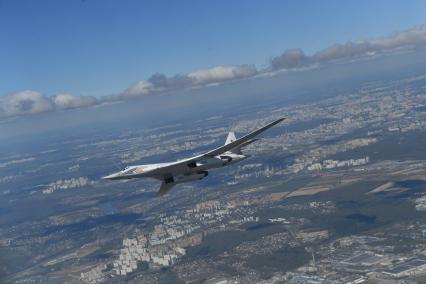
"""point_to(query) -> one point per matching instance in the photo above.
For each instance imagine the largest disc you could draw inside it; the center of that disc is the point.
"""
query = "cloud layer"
(67, 101)
(295, 58)
(32, 102)
(160, 83)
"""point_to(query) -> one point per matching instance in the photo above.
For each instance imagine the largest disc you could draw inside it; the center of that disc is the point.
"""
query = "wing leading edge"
(242, 140)
(177, 166)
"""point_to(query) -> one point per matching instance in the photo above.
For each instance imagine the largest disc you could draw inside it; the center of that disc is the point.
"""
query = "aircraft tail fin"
(231, 138)
(237, 150)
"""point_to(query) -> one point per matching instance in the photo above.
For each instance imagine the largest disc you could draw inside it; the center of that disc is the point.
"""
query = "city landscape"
(336, 194)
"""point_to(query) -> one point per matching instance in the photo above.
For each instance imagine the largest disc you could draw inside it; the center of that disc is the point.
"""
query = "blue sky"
(100, 47)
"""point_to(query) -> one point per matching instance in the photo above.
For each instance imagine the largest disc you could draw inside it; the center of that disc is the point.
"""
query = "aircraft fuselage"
(193, 168)
(192, 171)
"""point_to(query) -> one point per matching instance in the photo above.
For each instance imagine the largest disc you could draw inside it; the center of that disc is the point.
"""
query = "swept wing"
(179, 166)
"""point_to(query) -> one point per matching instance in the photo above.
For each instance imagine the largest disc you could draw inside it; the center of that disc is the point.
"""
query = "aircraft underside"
(194, 168)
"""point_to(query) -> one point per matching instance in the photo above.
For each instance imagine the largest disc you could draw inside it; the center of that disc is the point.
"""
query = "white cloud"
(291, 58)
(414, 36)
(295, 58)
(25, 102)
(67, 101)
(32, 102)
(160, 83)
(219, 74)
(141, 88)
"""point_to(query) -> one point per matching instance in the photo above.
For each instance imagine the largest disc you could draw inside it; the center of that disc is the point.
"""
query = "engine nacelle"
(184, 178)
(215, 162)
(209, 163)
(226, 158)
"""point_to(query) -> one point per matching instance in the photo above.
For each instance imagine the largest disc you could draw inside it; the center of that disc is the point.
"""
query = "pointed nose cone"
(107, 177)
(111, 176)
